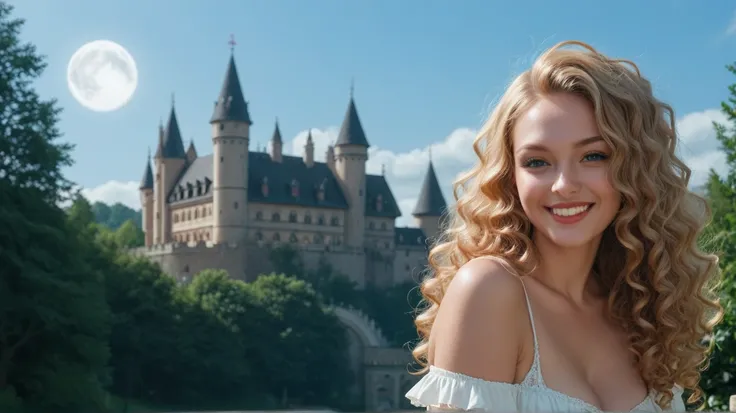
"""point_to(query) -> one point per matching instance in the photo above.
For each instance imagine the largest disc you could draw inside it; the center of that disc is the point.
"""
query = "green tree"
(129, 235)
(31, 154)
(308, 344)
(113, 216)
(718, 380)
(53, 317)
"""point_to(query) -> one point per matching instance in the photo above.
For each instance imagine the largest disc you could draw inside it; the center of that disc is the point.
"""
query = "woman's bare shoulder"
(478, 329)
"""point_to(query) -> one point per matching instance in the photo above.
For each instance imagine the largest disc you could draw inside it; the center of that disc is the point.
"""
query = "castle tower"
(351, 155)
(309, 151)
(330, 157)
(170, 159)
(277, 144)
(146, 190)
(230, 138)
(431, 205)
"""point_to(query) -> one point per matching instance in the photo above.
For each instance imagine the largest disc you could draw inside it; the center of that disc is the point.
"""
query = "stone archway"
(362, 333)
(362, 326)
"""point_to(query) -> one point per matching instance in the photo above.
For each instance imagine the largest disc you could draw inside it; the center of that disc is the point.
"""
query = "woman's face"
(561, 168)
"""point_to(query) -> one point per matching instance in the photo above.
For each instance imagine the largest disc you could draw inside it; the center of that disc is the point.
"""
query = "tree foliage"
(115, 215)
(719, 380)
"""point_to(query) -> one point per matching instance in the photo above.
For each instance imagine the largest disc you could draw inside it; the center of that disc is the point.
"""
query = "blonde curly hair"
(661, 287)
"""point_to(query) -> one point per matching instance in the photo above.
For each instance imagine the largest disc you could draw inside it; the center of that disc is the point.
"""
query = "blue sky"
(426, 71)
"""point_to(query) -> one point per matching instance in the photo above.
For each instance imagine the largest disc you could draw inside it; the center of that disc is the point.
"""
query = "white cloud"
(112, 192)
(731, 29)
(451, 156)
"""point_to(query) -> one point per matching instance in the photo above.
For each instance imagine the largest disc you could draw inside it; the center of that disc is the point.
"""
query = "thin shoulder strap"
(535, 373)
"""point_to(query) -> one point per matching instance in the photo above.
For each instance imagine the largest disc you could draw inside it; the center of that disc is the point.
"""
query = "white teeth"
(568, 212)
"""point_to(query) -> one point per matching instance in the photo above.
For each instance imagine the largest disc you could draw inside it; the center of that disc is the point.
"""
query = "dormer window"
(294, 188)
(199, 188)
(190, 190)
(264, 186)
(321, 191)
(379, 203)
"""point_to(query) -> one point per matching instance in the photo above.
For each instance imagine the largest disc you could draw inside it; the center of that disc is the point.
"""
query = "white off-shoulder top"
(441, 389)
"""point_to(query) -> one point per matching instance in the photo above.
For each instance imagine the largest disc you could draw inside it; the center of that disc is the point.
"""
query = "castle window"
(305, 240)
(321, 220)
(188, 237)
(199, 188)
(158, 215)
(275, 217)
(189, 215)
(294, 188)
(264, 186)
(207, 236)
(307, 218)
(196, 213)
(190, 190)
(335, 221)
(186, 268)
(383, 226)
(259, 216)
(176, 218)
(318, 239)
(292, 216)
(379, 203)
(321, 191)
(371, 225)
(292, 237)
(277, 237)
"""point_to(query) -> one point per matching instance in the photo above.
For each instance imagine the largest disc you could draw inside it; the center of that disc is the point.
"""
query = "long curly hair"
(661, 287)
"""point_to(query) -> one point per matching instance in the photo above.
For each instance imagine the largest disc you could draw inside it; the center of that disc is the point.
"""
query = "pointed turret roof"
(191, 148)
(171, 146)
(351, 132)
(276, 133)
(147, 180)
(431, 202)
(231, 104)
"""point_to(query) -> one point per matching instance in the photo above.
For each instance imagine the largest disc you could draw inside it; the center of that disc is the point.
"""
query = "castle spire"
(351, 131)
(147, 180)
(276, 133)
(171, 144)
(431, 202)
(231, 104)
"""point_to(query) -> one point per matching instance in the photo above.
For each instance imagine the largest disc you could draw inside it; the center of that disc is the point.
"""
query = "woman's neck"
(566, 270)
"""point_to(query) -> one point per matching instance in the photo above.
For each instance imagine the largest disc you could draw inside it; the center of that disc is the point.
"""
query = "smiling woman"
(569, 278)
(102, 76)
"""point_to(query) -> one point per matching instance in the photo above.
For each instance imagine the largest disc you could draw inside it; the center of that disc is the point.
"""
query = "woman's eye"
(592, 157)
(534, 163)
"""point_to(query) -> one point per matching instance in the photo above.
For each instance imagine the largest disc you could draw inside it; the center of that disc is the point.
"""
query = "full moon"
(102, 76)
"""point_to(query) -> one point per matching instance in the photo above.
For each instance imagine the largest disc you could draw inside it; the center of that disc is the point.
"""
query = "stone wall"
(247, 261)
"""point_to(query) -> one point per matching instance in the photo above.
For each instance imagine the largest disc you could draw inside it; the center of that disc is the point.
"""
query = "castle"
(197, 210)
(227, 209)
